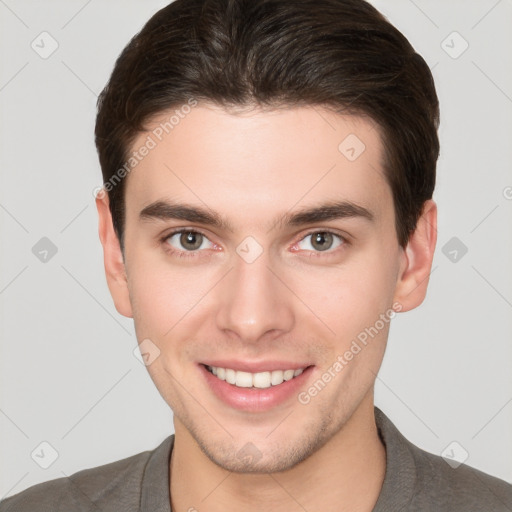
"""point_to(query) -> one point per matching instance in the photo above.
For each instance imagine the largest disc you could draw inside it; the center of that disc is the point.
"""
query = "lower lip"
(255, 399)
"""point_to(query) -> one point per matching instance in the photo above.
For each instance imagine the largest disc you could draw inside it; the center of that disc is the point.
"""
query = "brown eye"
(188, 241)
(321, 241)
(191, 240)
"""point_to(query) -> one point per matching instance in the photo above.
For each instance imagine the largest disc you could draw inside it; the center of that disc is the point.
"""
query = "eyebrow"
(333, 210)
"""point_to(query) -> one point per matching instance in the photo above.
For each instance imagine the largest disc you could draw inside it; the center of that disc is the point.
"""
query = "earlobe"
(417, 259)
(113, 258)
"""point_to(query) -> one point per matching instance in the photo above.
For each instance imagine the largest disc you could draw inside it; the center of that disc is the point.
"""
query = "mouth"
(262, 389)
(260, 380)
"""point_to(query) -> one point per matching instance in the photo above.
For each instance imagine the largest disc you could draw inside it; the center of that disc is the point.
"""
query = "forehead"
(257, 161)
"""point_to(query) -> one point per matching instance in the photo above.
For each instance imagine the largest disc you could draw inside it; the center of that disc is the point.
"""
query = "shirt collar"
(155, 495)
(400, 478)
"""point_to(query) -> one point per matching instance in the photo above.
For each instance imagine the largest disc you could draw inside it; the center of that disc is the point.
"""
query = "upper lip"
(257, 366)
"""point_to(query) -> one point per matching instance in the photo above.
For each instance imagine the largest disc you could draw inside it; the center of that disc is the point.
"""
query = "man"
(268, 176)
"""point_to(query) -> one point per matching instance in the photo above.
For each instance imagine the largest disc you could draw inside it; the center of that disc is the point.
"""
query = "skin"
(293, 303)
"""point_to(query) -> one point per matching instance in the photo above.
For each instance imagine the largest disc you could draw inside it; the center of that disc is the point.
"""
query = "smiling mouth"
(259, 380)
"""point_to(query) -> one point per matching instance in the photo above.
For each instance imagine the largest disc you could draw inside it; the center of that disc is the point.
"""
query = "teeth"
(260, 380)
(243, 379)
(230, 376)
(288, 375)
(277, 377)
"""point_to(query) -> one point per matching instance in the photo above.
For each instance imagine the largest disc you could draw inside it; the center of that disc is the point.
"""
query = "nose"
(254, 303)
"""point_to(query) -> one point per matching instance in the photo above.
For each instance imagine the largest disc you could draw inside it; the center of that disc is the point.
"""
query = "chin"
(265, 455)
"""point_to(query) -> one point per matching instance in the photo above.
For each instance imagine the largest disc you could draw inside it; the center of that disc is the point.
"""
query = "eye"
(321, 241)
(187, 241)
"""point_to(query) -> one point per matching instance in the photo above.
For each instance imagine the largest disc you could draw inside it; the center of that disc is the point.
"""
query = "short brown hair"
(341, 54)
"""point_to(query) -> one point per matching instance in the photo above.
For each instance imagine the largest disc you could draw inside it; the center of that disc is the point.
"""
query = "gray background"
(68, 374)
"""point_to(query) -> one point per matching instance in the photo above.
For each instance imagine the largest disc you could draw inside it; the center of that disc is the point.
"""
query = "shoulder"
(421, 481)
(458, 488)
(93, 489)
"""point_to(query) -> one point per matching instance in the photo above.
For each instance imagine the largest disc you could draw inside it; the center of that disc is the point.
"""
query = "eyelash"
(191, 254)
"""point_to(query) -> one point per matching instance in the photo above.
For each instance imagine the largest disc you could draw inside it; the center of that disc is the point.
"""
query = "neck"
(344, 474)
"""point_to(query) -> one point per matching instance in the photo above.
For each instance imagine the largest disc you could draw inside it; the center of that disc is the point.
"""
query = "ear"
(113, 257)
(417, 259)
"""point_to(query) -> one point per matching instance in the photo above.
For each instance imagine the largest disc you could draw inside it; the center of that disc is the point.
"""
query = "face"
(261, 247)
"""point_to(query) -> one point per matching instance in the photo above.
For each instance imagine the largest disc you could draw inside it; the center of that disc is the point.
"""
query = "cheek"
(348, 298)
(164, 296)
